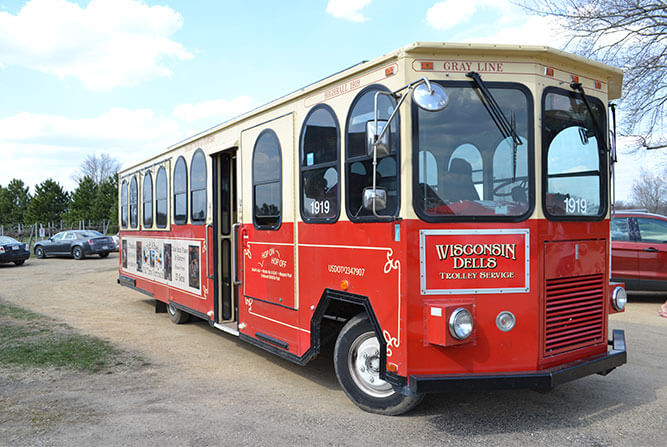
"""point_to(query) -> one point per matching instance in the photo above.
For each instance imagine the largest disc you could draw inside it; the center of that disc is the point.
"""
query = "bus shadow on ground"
(320, 370)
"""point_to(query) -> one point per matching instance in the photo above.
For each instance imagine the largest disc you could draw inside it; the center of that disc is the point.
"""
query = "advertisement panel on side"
(173, 262)
(474, 261)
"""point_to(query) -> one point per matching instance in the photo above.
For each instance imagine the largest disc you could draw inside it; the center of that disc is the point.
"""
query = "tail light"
(2, 249)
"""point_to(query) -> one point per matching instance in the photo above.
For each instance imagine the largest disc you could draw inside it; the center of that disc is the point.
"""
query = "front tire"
(176, 315)
(77, 252)
(39, 252)
(357, 364)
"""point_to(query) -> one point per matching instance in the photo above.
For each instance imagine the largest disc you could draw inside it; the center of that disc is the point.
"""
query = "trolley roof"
(544, 54)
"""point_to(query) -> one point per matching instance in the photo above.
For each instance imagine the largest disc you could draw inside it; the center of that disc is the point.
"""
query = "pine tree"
(49, 204)
(106, 200)
(17, 198)
(82, 200)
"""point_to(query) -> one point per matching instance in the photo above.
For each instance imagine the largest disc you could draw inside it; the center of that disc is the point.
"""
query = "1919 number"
(575, 206)
(320, 207)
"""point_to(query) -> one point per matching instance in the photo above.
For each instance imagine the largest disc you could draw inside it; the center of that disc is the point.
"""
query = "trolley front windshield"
(464, 167)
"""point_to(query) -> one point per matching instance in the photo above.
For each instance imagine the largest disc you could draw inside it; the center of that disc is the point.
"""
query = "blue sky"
(131, 77)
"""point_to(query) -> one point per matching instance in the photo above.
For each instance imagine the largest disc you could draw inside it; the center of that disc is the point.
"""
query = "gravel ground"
(203, 387)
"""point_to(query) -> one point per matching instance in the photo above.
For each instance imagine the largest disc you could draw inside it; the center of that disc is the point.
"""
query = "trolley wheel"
(357, 363)
(39, 252)
(176, 315)
(77, 252)
(104, 255)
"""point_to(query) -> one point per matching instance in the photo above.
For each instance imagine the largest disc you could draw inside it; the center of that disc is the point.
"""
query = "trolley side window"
(123, 204)
(134, 199)
(161, 198)
(267, 181)
(198, 187)
(180, 192)
(320, 143)
(465, 168)
(574, 156)
(147, 199)
(359, 165)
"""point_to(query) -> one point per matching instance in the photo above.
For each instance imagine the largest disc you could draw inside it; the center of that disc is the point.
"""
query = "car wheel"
(357, 364)
(104, 255)
(77, 252)
(176, 315)
(39, 252)
(19, 262)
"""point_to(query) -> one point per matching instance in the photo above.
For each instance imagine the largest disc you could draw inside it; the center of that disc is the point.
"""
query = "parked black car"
(12, 250)
(76, 243)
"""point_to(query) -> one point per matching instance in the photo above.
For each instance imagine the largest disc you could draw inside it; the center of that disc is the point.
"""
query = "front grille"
(574, 313)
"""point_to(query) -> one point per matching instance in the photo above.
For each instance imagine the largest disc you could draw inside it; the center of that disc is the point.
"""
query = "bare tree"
(632, 35)
(97, 168)
(650, 191)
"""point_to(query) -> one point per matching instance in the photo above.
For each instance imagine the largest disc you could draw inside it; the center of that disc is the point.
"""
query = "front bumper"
(543, 379)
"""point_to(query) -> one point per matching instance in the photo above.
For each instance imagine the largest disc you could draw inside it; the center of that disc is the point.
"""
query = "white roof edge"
(615, 76)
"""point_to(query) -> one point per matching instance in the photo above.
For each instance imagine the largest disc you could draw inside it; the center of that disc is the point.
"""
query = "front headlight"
(460, 323)
(619, 298)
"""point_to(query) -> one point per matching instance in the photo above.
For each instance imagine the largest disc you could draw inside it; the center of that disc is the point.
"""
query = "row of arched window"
(320, 165)
(154, 202)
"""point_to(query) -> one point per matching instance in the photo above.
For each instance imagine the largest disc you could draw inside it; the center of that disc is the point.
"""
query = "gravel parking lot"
(203, 387)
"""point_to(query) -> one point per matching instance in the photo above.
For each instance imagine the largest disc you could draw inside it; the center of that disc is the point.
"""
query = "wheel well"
(334, 309)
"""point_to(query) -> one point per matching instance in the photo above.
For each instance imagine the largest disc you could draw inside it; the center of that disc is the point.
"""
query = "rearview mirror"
(383, 145)
(379, 196)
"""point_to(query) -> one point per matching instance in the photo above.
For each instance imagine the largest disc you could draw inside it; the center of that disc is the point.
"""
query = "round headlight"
(619, 298)
(460, 323)
(505, 321)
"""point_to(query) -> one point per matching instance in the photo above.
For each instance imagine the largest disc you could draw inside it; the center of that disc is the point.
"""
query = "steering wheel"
(523, 184)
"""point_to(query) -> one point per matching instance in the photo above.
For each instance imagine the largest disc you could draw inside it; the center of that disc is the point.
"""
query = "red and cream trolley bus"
(441, 212)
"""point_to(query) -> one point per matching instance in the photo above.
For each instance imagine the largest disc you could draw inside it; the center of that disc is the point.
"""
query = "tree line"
(94, 199)
(51, 203)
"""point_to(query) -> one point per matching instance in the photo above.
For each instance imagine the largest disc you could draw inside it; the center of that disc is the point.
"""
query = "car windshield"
(7, 240)
(463, 165)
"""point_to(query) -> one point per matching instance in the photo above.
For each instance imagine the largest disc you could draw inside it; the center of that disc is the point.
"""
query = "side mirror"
(51, 239)
(379, 196)
(430, 97)
(383, 145)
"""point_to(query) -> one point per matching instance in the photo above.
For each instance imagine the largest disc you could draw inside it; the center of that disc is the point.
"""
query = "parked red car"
(639, 250)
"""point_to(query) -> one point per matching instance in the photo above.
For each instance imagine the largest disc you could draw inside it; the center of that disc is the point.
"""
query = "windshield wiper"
(506, 128)
(598, 131)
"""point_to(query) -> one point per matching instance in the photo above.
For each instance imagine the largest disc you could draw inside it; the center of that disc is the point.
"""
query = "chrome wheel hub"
(364, 365)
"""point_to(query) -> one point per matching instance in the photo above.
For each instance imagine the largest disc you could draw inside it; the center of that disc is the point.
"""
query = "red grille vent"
(574, 314)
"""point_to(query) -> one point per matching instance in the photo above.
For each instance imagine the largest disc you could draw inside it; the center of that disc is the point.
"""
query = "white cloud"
(216, 111)
(448, 13)
(34, 147)
(532, 31)
(348, 9)
(512, 24)
(106, 44)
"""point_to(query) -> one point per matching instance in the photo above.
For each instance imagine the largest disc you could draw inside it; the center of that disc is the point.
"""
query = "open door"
(226, 229)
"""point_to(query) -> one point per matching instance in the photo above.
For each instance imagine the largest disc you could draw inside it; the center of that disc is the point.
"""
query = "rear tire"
(357, 363)
(77, 252)
(19, 262)
(104, 255)
(176, 315)
(39, 252)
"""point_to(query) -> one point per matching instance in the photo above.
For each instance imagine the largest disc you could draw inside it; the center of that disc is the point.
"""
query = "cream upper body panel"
(535, 67)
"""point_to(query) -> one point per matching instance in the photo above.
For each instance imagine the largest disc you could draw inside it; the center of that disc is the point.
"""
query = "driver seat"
(457, 183)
